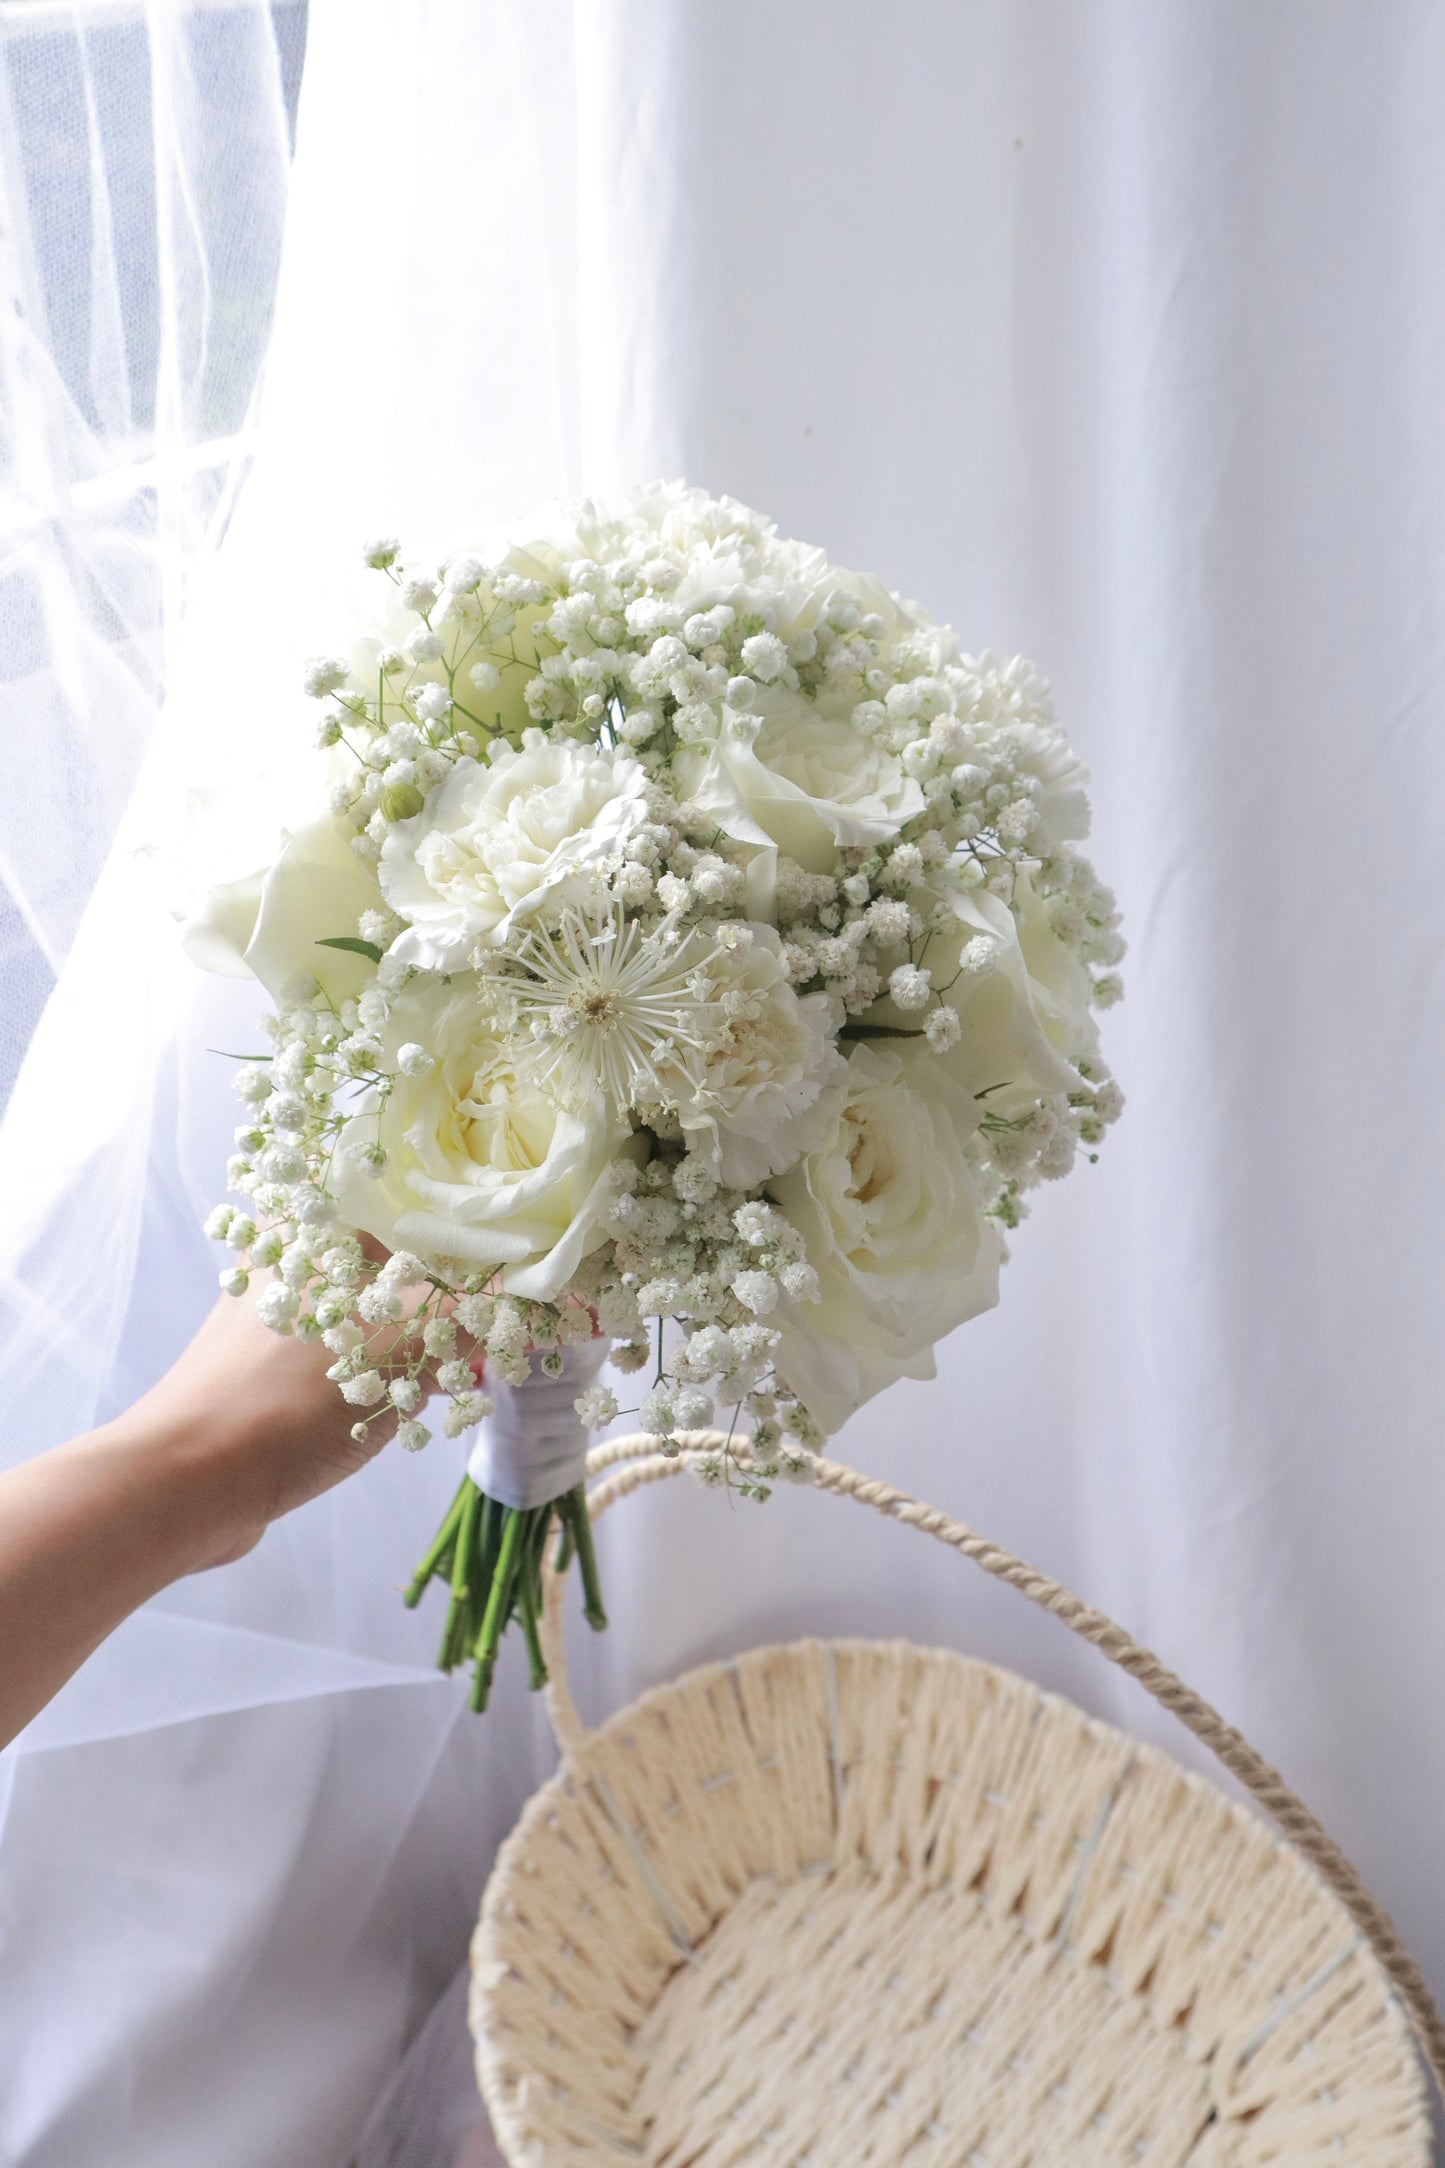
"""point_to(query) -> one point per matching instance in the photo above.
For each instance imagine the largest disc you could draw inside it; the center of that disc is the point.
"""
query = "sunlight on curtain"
(144, 156)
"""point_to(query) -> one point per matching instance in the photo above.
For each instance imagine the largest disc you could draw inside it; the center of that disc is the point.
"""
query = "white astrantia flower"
(514, 839)
(603, 1008)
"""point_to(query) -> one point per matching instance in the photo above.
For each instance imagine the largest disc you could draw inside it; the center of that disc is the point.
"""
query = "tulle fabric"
(204, 1841)
(144, 161)
(1115, 334)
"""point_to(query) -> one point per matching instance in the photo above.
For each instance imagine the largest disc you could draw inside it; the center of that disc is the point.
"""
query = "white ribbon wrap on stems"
(533, 1447)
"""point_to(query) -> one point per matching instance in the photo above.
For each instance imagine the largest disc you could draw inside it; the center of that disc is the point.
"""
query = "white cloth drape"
(144, 155)
(1116, 334)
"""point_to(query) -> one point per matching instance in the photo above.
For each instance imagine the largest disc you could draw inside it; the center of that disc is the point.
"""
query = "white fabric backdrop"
(144, 155)
(1116, 333)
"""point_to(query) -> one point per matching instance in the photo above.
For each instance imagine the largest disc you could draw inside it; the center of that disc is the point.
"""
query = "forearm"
(244, 1427)
(87, 1534)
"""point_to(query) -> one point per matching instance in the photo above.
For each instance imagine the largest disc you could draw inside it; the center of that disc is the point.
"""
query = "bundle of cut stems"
(490, 1555)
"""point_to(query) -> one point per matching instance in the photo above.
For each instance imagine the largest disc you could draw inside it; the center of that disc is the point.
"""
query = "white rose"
(501, 841)
(1059, 985)
(787, 778)
(1025, 1022)
(275, 923)
(748, 1112)
(480, 1165)
(887, 1207)
(380, 621)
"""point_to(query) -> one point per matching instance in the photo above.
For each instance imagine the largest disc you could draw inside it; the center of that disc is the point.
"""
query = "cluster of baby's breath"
(683, 1248)
(388, 1322)
(412, 707)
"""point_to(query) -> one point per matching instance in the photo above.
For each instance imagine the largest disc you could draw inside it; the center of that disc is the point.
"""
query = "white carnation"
(515, 839)
(745, 1109)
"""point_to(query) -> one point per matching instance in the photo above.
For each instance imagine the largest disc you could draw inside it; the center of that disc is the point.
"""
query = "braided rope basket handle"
(628, 1464)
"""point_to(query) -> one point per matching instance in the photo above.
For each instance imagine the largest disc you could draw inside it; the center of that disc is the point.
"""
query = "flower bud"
(401, 801)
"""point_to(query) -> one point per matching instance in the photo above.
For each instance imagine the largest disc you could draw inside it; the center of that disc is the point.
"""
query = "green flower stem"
(580, 1523)
(454, 1636)
(538, 1551)
(482, 1681)
(544, 1532)
(489, 1543)
(466, 1533)
(492, 1558)
(527, 1604)
(449, 1652)
(454, 1633)
(433, 1562)
(503, 1589)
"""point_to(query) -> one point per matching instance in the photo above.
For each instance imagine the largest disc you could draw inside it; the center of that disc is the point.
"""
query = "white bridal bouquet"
(690, 953)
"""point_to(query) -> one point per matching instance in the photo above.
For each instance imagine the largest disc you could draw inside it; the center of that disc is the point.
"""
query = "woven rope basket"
(852, 1904)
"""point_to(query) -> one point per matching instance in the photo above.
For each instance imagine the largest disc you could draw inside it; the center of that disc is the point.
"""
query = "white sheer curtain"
(1116, 333)
(144, 156)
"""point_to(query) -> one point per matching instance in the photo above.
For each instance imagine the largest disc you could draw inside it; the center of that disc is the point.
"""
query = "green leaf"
(354, 943)
(879, 1031)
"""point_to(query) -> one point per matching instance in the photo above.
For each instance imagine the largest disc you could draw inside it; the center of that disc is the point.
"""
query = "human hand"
(245, 1426)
